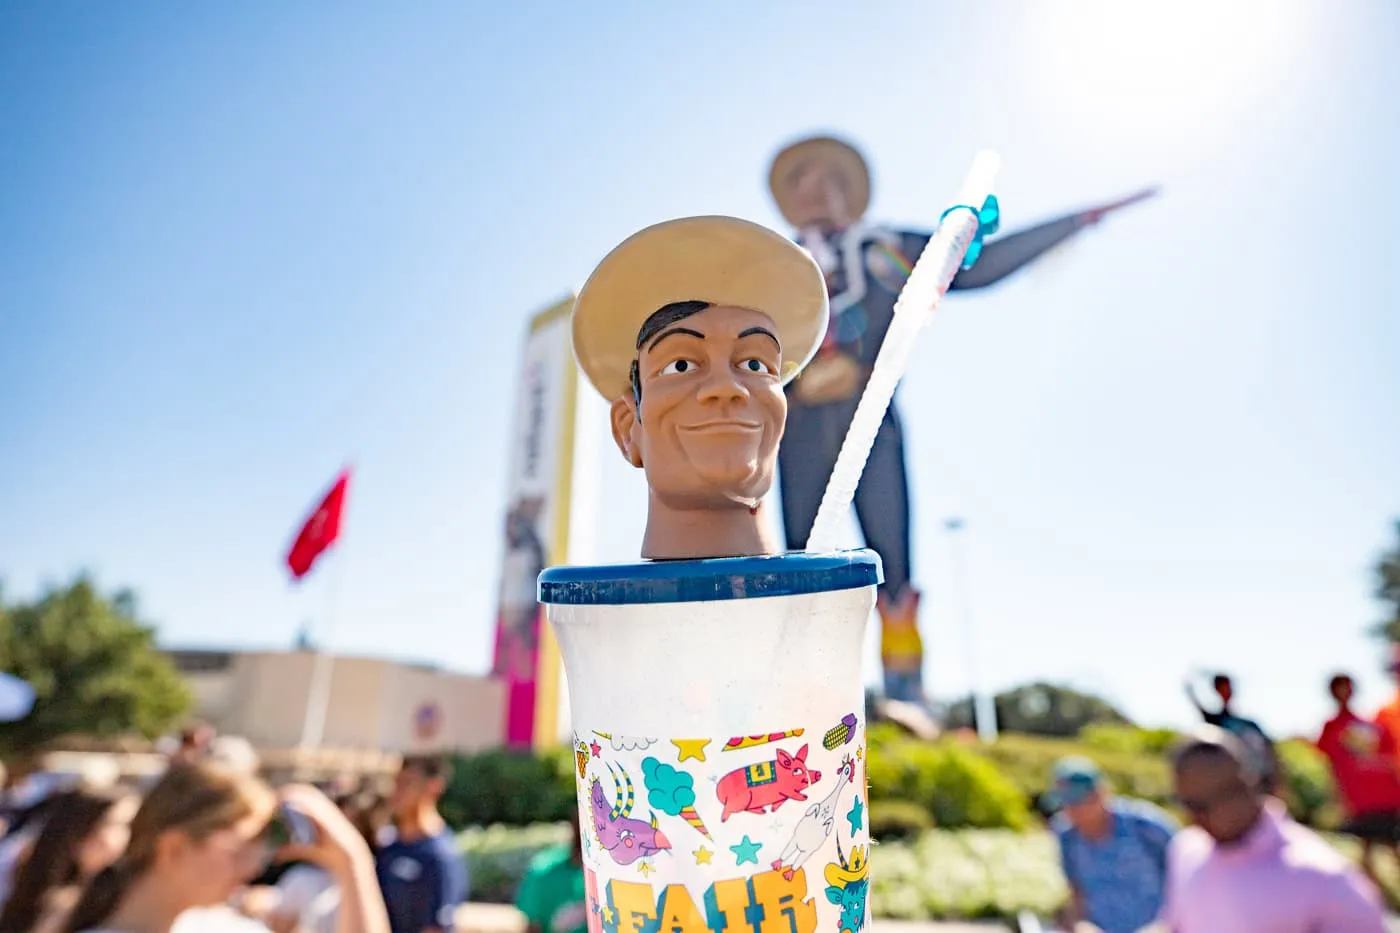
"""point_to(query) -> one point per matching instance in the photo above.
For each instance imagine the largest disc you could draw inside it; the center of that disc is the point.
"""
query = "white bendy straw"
(927, 283)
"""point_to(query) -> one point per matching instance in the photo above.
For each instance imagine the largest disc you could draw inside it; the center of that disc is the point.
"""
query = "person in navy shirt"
(1263, 754)
(423, 876)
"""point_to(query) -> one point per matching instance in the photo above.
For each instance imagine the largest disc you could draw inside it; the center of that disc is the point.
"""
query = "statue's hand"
(1095, 214)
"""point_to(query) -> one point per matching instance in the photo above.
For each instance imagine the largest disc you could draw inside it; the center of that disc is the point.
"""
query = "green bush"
(957, 786)
(957, 782)
(1103, 737)
(881, 735)
(934, 875)
(898, 819)
(1307, 784)
(514, 788)
(968, 874)
(497, 856)
(1029, 762)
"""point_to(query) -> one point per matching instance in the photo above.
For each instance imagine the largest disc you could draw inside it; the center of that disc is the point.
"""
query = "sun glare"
(1168, 71)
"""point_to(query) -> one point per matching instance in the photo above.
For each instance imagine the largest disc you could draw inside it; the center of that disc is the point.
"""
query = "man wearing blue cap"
(1113, 851)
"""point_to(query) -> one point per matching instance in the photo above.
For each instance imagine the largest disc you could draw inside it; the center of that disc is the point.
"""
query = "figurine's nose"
(722, 384)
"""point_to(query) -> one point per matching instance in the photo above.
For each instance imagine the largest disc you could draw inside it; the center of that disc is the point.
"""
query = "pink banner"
(536, 524)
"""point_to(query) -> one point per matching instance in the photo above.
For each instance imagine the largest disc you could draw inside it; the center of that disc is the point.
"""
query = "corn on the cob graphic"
(841, 733)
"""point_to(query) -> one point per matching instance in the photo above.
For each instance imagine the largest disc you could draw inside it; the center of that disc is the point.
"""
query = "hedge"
(933, 875)
(953, 783)
(955, 821)
(512, 788)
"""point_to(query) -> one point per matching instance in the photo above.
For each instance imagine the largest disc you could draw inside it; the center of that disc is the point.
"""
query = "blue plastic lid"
(685, 581)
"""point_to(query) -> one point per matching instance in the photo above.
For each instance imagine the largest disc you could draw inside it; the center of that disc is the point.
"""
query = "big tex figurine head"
(820, 182)
(691, 328)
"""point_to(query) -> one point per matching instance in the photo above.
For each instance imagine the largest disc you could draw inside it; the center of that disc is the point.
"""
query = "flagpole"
(984, 713)
(318, 699)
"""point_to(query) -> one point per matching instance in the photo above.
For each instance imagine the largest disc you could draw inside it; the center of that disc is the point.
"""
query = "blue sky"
(240, 244)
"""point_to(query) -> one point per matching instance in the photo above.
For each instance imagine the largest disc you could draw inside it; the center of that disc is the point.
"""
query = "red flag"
(321, 530)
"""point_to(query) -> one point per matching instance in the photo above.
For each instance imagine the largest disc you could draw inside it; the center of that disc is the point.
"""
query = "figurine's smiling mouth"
(729, 426)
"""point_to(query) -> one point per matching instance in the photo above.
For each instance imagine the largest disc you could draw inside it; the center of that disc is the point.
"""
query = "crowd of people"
(207, 846)
(1243, 864)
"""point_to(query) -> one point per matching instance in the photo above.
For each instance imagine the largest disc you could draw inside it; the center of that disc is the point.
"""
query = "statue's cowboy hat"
(725, 261)
(836, 155)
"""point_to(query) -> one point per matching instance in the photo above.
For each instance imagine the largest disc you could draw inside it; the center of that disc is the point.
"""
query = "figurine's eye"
(677, 367)
(755, 365)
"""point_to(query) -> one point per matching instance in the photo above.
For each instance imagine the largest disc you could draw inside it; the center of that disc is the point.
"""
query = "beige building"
(375, 704)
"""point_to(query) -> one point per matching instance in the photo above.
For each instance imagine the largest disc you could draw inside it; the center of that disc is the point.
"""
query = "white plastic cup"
(719, 738)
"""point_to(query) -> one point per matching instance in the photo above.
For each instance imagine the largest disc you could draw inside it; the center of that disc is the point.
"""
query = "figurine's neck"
(700, 533)
(822, 230)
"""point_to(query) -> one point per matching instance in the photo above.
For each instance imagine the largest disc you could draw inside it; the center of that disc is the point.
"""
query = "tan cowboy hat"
(722, 260)
(838, 155)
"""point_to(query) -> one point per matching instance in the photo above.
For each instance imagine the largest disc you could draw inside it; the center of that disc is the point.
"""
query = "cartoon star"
(856, 815)
(690, 748)
(645, 868)
(702, 856)
(746, 851)
(596, 749)
(608, 913)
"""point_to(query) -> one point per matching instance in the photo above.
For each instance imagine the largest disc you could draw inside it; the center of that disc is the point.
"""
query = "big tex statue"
(822, 187)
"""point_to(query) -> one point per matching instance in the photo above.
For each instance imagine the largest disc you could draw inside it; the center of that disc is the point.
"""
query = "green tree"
(94, 667)
(1041, 709)
(1388, 589)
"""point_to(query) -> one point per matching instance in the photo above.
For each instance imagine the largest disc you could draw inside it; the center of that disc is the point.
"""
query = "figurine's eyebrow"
(754, 331)
(674, 330)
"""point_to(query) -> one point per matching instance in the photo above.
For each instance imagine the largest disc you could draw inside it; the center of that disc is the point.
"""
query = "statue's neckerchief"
(842, 260)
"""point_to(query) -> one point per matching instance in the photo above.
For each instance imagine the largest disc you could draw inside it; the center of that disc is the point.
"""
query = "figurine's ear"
(624, 429)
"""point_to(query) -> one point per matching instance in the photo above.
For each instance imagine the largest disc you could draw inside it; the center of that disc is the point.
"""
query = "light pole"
(984, 713)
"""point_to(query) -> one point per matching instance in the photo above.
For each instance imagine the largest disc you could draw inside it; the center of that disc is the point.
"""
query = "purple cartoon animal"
(768, 784)
(626, 838)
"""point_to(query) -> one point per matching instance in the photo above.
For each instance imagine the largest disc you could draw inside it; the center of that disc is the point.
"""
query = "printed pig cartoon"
(766, 784)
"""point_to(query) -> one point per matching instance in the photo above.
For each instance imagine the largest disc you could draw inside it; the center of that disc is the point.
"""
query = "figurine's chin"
(724, 460)
(741, 482)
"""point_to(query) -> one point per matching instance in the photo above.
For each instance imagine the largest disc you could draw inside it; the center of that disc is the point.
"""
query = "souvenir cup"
(719, 740)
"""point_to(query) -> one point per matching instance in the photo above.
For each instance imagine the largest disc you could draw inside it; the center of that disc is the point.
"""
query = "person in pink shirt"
(1244, 866)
